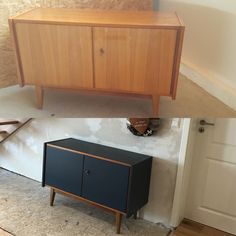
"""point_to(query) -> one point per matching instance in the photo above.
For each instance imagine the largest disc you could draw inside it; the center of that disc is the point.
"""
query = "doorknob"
(203, 122)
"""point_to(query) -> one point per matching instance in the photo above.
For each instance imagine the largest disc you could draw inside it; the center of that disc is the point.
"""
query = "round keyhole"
(102, 51)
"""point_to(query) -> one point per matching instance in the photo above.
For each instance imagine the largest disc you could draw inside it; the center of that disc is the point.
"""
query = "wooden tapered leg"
(52, 196)
(135, 215)
(118, 222)
(39, 96)
(155, 105)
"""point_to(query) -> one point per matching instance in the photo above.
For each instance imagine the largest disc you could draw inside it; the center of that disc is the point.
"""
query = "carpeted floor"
(192, 101)
(25, 210)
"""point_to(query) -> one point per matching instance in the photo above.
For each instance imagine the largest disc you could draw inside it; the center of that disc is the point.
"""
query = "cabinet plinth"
(109, 178)
(120, 52)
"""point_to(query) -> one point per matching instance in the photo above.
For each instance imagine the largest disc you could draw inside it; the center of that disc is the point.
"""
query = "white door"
(212, 190)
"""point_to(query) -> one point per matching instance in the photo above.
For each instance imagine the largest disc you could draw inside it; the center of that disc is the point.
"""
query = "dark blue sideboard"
(110, 178)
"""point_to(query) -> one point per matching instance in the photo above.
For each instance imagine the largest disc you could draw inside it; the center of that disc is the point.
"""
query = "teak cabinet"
(123, 52)
(110, 178)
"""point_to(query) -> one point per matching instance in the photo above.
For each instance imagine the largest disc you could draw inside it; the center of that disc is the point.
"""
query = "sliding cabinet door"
(106, 183)
(134, 60)
(56, 55)
(63, 170)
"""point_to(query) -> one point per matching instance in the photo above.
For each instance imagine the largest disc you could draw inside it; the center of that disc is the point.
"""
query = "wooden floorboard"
(4, 233)
(190, 228)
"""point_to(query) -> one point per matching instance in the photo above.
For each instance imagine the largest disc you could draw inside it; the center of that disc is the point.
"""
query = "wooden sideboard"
(108, 51)
(110, 178)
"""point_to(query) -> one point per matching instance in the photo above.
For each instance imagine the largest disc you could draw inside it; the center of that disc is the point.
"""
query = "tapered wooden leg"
(118, 222)
(155, 105)
(39, 96)
(135, 215)
(52, 196)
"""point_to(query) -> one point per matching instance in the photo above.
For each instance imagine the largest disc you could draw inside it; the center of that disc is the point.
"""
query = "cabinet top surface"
(101, 17)
(110, 153)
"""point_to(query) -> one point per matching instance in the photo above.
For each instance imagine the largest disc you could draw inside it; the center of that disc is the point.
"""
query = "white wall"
(190, 129)
(23, 152)
(209, 52)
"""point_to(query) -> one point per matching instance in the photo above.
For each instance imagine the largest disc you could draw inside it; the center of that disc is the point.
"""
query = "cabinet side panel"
(178, 53)
(139, 186)
(106, 183)
(44, 164)
(134, 60)
(63, 170)
(56, 55)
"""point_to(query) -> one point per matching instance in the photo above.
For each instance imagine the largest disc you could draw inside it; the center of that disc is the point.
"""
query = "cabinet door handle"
(87, 172)
(102, 51)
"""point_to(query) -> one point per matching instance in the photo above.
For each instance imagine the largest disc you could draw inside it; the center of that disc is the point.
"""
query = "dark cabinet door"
(64, 170)
(106, 183)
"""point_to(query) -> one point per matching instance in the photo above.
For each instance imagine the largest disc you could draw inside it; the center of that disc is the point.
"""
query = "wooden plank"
(191, 228)
(56, 190)
(101, 17)
(3, 132)
(10, 133)
(12, 122)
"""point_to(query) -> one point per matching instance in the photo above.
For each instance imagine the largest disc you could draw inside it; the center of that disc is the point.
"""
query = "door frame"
(183, 171)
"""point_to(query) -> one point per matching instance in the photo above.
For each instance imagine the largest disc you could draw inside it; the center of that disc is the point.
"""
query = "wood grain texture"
(177, 59)
(8, 71)
(155, 105)
(150, 19)
(118, 222)
(137, 60)
(52, 196)
(39, 96)
(191, 228)
(54, 55)
(116, 51)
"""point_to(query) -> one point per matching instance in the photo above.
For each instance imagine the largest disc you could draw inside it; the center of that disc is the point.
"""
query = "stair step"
(13, 122)
(3, 132)
(12, 126)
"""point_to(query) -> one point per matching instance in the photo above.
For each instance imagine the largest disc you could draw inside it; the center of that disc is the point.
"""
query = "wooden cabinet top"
(99, 151)
(112, 18)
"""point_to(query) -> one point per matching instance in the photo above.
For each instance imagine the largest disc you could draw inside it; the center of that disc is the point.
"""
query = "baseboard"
(222, 91)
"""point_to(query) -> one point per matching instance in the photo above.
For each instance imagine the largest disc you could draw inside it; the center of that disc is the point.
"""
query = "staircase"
(9, 127)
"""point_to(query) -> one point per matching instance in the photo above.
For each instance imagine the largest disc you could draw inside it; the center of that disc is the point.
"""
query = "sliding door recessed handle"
(87, 172)
(102, 51)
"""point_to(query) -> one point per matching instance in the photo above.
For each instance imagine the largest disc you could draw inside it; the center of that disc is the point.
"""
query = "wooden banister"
(20, 125)
(3, 132)
(13, 122)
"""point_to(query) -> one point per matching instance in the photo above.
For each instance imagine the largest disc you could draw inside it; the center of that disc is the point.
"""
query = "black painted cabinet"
(64, 170)
(106, 183)
(114, 179)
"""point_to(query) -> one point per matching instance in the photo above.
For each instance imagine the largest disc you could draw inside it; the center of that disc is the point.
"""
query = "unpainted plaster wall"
(23, 152)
